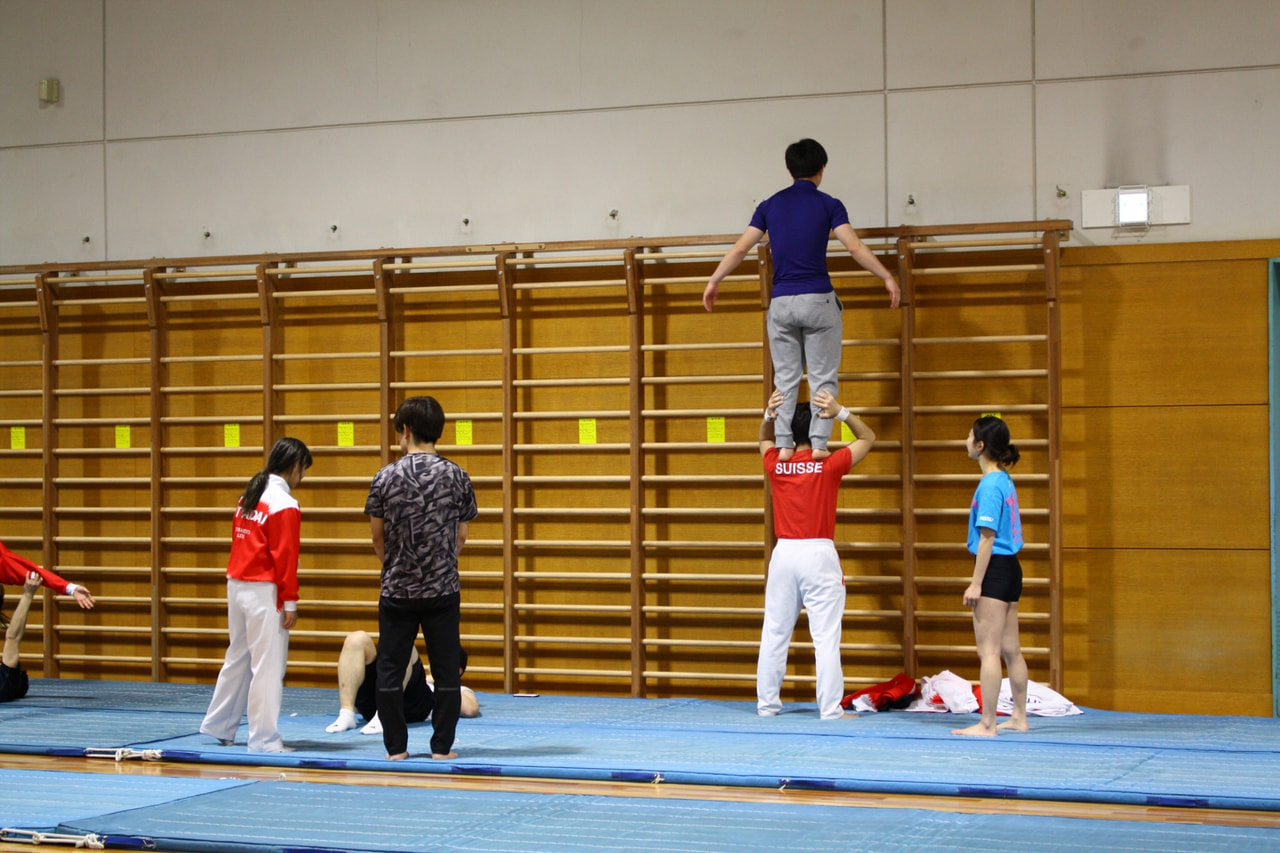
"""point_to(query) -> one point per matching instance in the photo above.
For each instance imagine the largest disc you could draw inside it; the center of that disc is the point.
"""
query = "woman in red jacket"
(262, 601)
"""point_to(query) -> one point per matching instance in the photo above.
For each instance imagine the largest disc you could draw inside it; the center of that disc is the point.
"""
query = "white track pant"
(253, 674)
(802, 573)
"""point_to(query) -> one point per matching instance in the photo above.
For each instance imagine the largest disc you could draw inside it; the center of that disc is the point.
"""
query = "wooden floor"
(969, 805)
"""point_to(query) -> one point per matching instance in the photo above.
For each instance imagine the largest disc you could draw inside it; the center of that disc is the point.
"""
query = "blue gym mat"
(222, 816)
(1099, 756)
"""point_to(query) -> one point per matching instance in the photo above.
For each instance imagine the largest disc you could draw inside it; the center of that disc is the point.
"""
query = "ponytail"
(287, 454)
(993, 432)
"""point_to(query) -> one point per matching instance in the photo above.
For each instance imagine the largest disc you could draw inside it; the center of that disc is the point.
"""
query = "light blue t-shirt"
(995, 507)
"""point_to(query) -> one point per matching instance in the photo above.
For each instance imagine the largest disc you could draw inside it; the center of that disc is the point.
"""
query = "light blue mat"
(1107, 757)
(281, 816)
(44, 799)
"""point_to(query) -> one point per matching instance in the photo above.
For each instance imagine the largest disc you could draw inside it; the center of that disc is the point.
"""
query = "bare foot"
(1014, 726)
(821, 454)
(437, 756)
(400, 756)
(785, 453)
(976, 730)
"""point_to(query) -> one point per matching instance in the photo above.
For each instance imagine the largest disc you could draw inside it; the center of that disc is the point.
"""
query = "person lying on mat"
(358, 687)
(13, 678)
(14, 571)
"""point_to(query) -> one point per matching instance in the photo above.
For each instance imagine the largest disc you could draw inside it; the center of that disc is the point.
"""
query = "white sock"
(373, 727)
(345, 722)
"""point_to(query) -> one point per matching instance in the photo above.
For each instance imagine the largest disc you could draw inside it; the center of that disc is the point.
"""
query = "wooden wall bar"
(608, 422)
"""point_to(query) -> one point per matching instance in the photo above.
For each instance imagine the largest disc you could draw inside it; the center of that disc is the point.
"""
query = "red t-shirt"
(804, 492)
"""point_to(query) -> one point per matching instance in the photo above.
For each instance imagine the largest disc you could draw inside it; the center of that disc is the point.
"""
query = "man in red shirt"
(804, 570)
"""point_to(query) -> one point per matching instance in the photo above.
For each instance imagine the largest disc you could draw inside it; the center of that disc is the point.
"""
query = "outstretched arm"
(730, 263)
(868, 261)
(18, 624)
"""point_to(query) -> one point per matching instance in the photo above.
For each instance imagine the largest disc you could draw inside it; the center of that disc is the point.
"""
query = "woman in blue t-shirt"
(995, 537)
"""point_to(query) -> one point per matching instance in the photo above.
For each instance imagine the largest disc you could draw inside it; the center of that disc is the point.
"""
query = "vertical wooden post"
(48, 415)
(906, 347)
(635, 311)
(506, 305)
(1056, 651)
(267, 312)
(764, 268)
(382, 279)
(158, 330)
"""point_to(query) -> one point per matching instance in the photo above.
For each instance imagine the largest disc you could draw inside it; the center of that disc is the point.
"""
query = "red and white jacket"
(265, 543)
(13, 572)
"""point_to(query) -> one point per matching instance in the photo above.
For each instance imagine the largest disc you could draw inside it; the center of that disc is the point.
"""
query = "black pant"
(398, 623)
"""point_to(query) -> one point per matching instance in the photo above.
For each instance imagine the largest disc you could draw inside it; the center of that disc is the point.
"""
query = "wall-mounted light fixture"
(1133, 207)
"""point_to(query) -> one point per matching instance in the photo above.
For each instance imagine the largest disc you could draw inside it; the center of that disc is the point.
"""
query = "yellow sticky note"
(586, 430)
(123, 436)
(231, 435)
(991, 415)
(462, 432)
(346, 434)
(18, 438)
(846, 434)
(715, 429)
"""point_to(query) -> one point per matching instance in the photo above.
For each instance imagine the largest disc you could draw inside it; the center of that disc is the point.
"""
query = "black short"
(418, 696)
(1003, 579)
(13, 683)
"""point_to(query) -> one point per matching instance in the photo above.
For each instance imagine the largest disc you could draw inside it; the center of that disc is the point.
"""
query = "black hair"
(993, 432)
(287, 454)
(423, 416)
(800, 423)
(806, 158)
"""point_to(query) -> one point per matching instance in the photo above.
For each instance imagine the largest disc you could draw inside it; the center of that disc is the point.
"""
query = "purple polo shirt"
(799, 221)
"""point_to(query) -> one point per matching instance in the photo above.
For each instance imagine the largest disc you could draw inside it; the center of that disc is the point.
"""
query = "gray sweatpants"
(805, 330)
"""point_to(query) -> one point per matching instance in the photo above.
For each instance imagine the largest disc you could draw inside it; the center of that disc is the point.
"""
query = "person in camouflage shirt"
(419, 508)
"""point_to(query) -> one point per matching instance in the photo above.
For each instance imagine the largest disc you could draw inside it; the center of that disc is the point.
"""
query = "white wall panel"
(675, 51)
(674, 170)
(236, 65)
(1095, 38)
(943, 43)
(50, 200)
(1213, 132)
(965, 155)
(54, 38)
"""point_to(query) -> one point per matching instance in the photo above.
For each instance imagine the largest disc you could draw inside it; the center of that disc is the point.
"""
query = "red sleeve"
(284, 534)
(13, 571)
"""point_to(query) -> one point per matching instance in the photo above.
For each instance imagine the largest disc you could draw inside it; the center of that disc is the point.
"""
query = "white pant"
(802, 572)
(253, 673)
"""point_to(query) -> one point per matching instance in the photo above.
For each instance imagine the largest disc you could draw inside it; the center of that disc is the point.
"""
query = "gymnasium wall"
(1167, 467)
(245, 127)
(1166, 564)
(211, 129)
